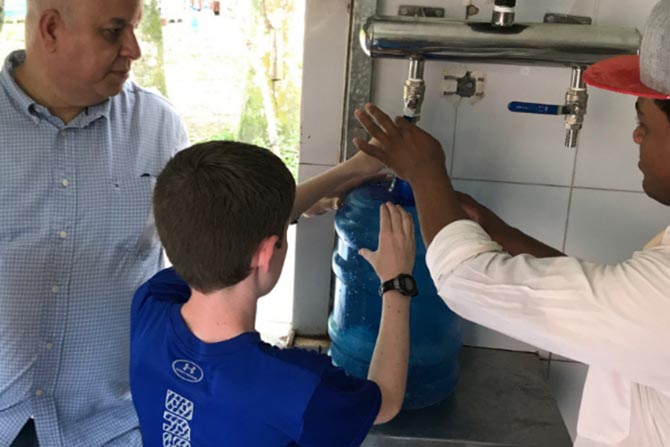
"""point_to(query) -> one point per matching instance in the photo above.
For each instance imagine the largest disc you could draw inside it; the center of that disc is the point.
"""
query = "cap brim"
(620, 74)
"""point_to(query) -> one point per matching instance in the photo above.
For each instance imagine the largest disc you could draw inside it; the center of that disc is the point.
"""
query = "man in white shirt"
(615, 318)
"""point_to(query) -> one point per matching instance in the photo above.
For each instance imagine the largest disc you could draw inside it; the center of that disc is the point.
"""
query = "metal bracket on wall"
(420, 11)
(552, 17)
(461, 82)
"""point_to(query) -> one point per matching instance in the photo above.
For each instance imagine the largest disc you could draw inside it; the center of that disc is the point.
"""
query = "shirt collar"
(23, 102)
(36, 111)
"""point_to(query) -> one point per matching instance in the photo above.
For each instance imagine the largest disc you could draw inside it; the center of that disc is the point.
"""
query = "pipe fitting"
(503, 13)
(576, 99)
(414, 90)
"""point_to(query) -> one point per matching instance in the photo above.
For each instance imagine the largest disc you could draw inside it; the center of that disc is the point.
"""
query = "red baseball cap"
(646, 75)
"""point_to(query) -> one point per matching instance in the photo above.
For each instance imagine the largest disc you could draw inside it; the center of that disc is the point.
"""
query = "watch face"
(403, 283)
(408, 283)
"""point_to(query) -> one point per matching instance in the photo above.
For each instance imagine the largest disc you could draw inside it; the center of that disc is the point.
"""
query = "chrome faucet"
(575, 101)
(574, 108)
(414, 89)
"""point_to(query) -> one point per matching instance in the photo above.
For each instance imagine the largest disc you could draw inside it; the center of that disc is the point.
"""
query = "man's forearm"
(516, 242)
(436, 203)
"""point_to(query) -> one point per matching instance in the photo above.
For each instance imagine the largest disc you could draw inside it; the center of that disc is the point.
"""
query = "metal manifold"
(500, 41)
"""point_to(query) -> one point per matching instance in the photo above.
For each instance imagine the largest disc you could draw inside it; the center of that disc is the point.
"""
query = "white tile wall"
(623, 12)
(495, 144)
(324, 69)
(588, 201)
(608, 159)
(324, 72)
(540, 211)
(453, 9)
(314, 248)
(534, 11)
(526, 152)
(607, 226)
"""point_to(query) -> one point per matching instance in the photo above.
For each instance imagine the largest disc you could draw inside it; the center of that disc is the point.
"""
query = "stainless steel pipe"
(546, 44)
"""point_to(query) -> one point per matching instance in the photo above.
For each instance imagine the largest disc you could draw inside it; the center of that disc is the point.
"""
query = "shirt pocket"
(25, 210)
(131, 214)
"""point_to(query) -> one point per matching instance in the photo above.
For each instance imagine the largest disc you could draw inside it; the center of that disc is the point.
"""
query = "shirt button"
(50, 346)
(38, 392)
(63, 234)
(55, 289)
(65, 183)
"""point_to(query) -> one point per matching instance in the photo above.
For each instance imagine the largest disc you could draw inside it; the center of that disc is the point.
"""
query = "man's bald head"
(65, 10)
(37, 7)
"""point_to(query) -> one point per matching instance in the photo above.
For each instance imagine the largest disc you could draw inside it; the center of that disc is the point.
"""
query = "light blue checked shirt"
(76, 239)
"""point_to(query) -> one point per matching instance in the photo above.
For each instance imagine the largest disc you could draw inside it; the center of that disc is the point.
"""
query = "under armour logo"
(188, 371)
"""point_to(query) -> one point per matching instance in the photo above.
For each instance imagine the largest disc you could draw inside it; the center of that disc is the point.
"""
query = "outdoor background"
(232, 70)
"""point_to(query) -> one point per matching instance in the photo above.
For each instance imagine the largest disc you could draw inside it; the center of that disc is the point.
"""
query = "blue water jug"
(435, 331)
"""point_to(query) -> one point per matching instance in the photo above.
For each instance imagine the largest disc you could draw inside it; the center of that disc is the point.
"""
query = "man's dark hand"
(406, 149)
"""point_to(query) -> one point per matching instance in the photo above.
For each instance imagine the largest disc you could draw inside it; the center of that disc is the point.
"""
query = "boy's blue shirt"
(240, 392)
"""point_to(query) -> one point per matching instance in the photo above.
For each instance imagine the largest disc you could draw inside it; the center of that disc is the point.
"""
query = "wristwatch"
(403, 283)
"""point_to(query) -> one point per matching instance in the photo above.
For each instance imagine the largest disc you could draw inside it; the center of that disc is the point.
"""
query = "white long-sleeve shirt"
(615, 318)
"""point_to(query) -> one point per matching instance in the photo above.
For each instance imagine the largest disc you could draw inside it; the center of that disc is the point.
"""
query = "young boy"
(200, 375)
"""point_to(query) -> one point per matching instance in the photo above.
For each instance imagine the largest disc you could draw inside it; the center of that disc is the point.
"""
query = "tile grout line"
(550, 185)
(567, 224)
(572, 188)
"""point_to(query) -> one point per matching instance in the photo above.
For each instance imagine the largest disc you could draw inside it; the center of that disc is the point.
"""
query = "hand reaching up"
(405, 148)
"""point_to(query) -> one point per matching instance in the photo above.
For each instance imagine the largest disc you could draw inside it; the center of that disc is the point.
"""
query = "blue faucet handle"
(539, 109)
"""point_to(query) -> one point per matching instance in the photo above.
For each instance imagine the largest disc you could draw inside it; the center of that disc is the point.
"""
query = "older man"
(80, 149)
(613, 318)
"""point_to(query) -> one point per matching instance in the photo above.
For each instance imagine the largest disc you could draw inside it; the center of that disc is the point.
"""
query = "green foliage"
(289, 150)
(150, 69)
(267, 41)
(253, 123)
(224, 134)
(286, 90)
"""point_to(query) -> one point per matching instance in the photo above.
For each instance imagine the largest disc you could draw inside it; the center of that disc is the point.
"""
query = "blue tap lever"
(540, 109)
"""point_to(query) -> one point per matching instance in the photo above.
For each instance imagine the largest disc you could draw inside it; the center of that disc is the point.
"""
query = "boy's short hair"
(214, 203)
